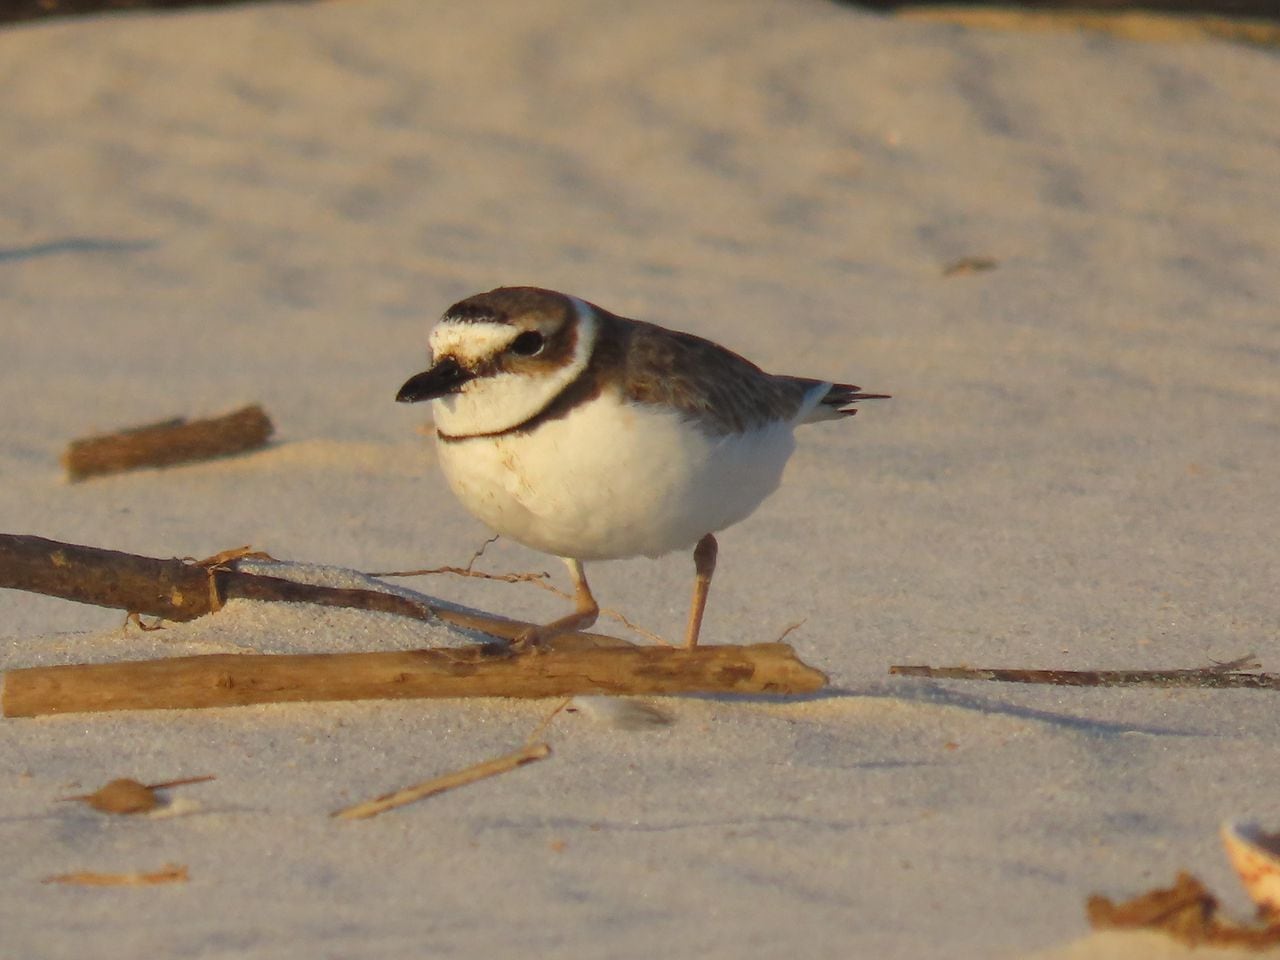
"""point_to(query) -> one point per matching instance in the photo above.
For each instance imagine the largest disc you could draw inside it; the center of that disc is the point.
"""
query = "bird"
(591, 436)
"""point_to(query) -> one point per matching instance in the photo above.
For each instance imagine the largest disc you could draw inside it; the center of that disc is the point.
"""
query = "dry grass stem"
(791, 629)
(169, 873)
(541, 728)
(459, 778)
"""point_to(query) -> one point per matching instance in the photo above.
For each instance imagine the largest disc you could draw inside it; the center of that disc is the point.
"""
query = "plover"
(589, 436)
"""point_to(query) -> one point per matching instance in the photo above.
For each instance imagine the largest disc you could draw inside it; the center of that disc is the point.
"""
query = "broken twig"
(167, 443)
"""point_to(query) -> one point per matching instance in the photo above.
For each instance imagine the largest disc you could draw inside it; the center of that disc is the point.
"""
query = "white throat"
(503, 400)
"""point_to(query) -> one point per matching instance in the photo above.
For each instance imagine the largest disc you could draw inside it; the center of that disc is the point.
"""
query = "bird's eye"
(528, 344)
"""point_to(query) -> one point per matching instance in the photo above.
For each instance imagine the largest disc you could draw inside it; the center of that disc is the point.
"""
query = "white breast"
(614, 479)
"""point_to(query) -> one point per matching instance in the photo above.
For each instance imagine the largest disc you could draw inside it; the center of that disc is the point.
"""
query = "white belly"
(614, 480)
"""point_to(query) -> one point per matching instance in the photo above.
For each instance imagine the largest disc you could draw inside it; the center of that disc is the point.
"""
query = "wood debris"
(449, 781)
(169, 873)
(1219, 675)
(230, 680)
(168, 443)
(1186, 911)
(966, 265)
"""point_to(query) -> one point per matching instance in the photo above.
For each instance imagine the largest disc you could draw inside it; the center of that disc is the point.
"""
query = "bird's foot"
(533, 640)
(539, 638)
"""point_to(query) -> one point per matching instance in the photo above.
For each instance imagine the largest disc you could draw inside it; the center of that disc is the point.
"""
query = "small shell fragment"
(1255, 855)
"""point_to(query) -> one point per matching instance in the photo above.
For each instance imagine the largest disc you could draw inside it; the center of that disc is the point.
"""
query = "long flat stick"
(226, 680)
(167, 443)
(448, 781)
(1209, 677)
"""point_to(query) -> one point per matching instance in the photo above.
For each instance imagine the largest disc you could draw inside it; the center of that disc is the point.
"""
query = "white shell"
(1255, 855)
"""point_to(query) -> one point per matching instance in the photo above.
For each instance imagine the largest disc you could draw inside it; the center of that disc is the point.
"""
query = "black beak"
(445, 377)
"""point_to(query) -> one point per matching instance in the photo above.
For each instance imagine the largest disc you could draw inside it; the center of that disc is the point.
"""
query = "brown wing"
(721, 390)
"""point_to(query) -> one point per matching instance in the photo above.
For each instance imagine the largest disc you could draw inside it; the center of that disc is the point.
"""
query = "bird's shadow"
(932, 693)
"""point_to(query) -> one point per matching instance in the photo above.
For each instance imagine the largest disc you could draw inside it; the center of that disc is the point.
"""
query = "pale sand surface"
(1079, 468)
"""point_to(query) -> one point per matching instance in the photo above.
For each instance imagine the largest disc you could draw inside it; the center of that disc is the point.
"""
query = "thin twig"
(538, 579)
(462, 571)
(541, 728)
(459, 778)
(481, 549)
(169, 873)
(167, 784)
(791, 629)
(1222, 675)
(535, 748)
(468, 572)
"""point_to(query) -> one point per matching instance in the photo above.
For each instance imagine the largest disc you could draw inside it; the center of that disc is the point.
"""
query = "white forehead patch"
(471, 342)
(502, 400)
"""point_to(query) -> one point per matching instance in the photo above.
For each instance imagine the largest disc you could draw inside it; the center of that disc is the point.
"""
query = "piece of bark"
(167, 443)
(225, 680)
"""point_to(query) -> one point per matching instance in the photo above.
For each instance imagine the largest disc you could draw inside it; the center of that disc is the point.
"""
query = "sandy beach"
(1078, 468)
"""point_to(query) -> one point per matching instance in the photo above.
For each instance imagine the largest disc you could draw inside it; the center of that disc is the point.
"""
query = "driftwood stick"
(226, 680)
(182, 590)
(173, 589)
(1223, 676)
(167, 443)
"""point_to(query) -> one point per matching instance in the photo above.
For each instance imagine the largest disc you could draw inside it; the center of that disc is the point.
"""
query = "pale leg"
(704, 565)
(586, 610)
